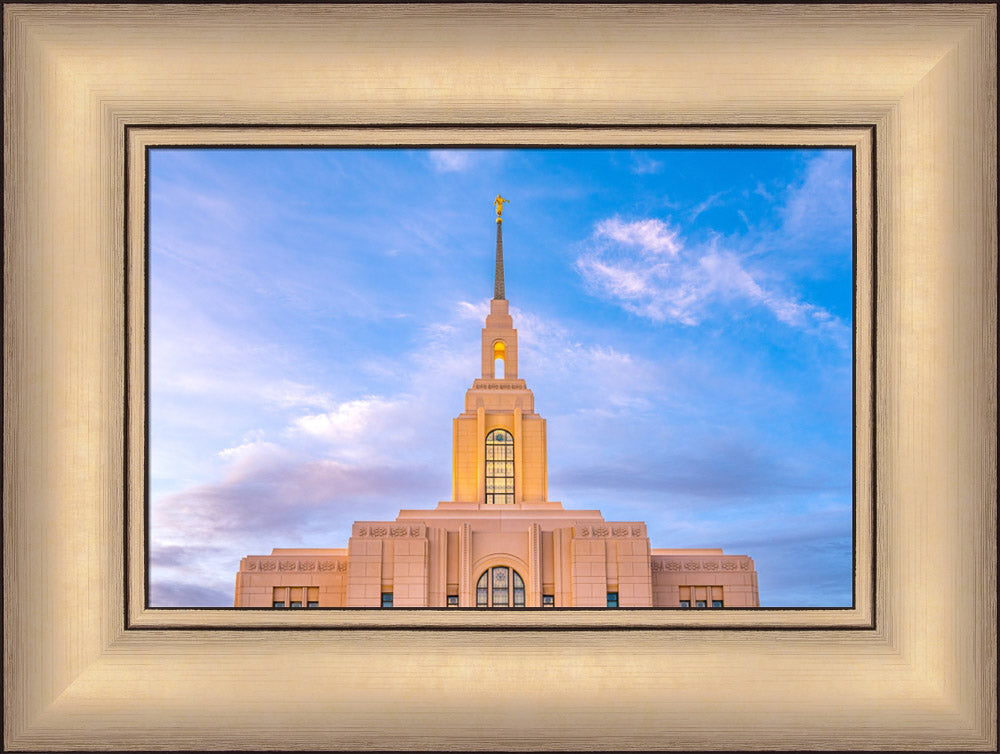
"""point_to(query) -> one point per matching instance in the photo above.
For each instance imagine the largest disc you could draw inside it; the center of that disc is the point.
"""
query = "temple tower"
(499, 440)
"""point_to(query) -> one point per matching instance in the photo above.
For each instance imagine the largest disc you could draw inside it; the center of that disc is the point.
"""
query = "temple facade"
(499, 541)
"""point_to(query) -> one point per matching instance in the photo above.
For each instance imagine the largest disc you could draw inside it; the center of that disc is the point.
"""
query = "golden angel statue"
(498, 203)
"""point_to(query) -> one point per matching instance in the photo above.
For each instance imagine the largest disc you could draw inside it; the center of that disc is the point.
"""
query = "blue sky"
(684, 320)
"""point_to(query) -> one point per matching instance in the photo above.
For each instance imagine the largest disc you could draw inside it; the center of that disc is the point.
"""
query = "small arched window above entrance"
(500, 586)
(500, 467)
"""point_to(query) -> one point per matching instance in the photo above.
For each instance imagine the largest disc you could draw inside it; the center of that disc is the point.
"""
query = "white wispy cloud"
(708, 203)
(651, 237)
(468, 310)
(369, 428)
(452, 160)
(646, 268)
(644, 164)
(821, 201)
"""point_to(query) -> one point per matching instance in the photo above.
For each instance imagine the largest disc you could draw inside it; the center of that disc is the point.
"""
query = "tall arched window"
(499, 467)
(500, 586)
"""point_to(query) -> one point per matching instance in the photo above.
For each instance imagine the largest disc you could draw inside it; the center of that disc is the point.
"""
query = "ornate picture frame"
(88, 667)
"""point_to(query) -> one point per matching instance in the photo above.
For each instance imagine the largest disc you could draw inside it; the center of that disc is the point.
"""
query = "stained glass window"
(500, 587)
(518, 590)
(499, 467)
(496, 585)
(483, 590)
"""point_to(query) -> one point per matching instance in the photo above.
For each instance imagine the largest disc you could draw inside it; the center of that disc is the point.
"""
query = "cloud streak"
(644, 164)
(451, 160)
(645, 267)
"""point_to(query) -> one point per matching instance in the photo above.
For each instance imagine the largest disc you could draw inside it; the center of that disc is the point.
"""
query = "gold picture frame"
(82, 673)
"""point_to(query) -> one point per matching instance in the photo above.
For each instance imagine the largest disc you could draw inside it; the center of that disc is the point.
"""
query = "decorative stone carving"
(341, 565)
(399, 531)
(583, 531)
(307, 565)
(268, 565)
(287, 565)
(744, 565)
(620, 531)
(729, 565)
(656, 565)
(710, 565)
(249, 565)
(600, 531)
(414, 531)
(692, 565)
(361, 531)
(327, 565)
(636, 531)
(673, 565)
(379, 531)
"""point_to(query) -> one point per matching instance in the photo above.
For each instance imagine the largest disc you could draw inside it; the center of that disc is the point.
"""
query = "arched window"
(499, 360)
(499, 467)
(500, 586)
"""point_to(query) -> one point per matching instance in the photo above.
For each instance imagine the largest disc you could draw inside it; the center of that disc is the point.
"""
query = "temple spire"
(498, 273)
(498, 293)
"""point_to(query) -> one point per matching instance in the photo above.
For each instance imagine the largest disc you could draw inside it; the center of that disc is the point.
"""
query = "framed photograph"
(670, 397)
(92, 91)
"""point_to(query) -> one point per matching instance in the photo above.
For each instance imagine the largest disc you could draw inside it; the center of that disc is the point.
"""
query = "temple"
(499, 542)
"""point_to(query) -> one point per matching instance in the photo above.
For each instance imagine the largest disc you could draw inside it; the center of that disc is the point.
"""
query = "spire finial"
(498, 203)
(498, 273)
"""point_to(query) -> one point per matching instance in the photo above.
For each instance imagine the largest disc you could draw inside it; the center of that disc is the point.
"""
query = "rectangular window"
(386, 599)
(612, 599)
(701, 596)
(548, 600)
(295, 596)
(452, 600)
